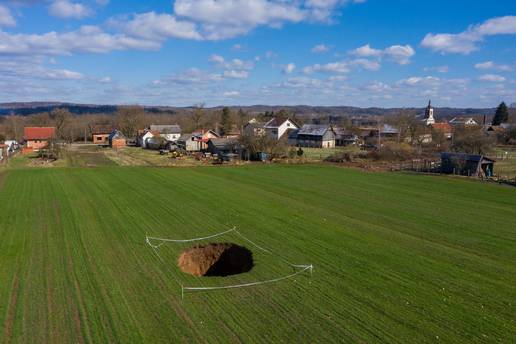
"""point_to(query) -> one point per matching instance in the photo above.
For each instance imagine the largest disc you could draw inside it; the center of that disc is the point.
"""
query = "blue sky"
(242, 52)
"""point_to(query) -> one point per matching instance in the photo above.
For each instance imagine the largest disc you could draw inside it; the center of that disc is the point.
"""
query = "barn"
(474, 165)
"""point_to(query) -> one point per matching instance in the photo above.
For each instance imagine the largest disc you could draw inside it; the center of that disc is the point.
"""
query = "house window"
(99, 138)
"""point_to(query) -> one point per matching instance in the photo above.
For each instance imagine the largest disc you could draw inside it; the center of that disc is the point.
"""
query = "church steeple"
(429, 114)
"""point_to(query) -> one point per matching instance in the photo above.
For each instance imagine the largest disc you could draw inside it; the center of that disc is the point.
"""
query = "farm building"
(254, 128)
(203, 136)
(474, 165)
(100, 134)
(276, 127)
(189, 143)
(344, 137)
(117, 139)
(37, 138)
(292, 137)
(316, 135)
(224, 147)
(463, 121)
(170, 132)
(145, 137)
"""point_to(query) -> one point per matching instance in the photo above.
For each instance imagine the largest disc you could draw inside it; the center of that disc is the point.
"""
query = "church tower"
(429, 114)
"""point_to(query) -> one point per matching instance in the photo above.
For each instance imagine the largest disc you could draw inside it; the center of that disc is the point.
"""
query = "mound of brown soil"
(221, 259)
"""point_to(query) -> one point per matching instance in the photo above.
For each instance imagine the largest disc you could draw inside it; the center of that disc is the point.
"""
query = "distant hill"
(301, 110)
(513, 105)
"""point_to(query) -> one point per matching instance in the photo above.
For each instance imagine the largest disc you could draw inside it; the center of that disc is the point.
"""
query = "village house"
(100, 134)
(189, 143)
(276, 127)
(37, 138)
(170, 132)
(225, 148)
(344, 137)
(444, 128)
(196, 141)
(117, 139)
(463, 121)
(254, 128)
(473, 165)
(203, 136)
(316, 135)
(144, 136)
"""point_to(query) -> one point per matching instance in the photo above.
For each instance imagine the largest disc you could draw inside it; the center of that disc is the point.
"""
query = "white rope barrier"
(148, 238)
(306, 267)
(303, 268)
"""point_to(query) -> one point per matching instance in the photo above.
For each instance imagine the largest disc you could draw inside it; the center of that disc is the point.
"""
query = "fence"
(418, 165)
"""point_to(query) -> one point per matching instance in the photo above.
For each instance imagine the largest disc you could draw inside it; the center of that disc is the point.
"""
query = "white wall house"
(170, 132)
(277, 128)
(143, 139)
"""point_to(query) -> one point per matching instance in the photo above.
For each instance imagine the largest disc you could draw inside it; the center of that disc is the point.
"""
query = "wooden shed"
(474, 165)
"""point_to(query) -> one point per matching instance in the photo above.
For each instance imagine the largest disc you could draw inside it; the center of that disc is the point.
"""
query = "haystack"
(216, 259)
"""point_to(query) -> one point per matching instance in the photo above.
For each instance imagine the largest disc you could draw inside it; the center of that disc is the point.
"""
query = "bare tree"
(197, 115)
(472, 140)
(129, 119)
(62, 119)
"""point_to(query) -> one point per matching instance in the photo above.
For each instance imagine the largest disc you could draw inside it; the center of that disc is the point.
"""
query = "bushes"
(391, 151)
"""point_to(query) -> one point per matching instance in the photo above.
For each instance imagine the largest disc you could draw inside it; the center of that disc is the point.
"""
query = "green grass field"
(398, 258)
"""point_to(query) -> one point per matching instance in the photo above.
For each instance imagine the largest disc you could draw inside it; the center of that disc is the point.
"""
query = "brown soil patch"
(220, 259)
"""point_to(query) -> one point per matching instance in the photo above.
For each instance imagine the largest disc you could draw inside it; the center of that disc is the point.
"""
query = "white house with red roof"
(37, 138)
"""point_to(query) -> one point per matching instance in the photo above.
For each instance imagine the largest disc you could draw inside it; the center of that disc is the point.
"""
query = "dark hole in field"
(218, 259)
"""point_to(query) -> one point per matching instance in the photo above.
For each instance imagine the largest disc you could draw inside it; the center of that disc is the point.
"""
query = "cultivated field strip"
(398, 258)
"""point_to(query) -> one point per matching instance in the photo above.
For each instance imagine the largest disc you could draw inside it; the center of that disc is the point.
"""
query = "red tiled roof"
(39, 133)
(444, 127)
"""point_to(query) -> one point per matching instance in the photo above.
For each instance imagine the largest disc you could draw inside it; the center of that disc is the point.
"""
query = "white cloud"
(231, 94)
(343, 67)
(158, 27)
(191, 76)
(217, 59)
(335, 67)
(34, 69)
(88, 39)
(494, 66)
(237, 47)
(492, 78)
(320, 49)
(438, 69)
(367, 51)
(105, 80)
(222, 19)
(366, 64)
(467, 41)
(6, 18)
(68, 9)
(400, 54)
(234, 64)
(416, 80)
(289, 68)
(236, 74)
